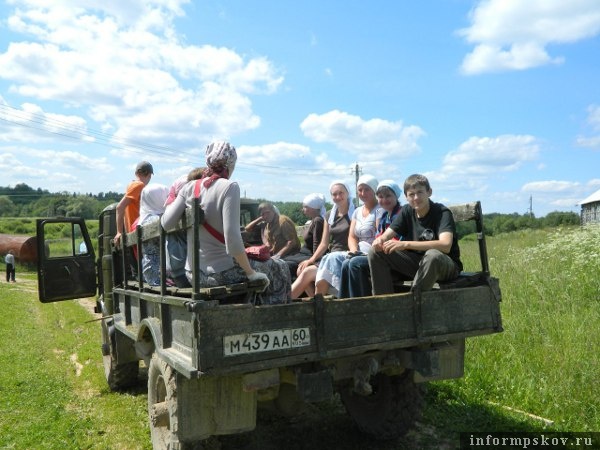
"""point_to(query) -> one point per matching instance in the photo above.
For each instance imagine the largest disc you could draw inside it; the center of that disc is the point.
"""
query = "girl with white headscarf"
(361, 234)
(223, 259)
(334, 238)
(313, 207)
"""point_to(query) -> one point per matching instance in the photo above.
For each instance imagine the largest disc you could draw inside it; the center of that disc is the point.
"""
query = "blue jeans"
(356, 281)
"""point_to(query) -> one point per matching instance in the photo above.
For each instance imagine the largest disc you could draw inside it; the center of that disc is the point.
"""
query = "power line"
(67, 130)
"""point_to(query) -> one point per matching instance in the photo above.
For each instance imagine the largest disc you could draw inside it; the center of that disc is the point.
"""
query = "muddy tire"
(391, 410)
(118, 376)
(162, 406)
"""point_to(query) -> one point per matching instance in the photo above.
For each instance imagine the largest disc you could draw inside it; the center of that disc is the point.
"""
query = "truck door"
(66, 260)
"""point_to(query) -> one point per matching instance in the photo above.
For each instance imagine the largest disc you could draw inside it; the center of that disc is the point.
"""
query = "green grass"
(545, 363)
(52, 388)
(543, 366)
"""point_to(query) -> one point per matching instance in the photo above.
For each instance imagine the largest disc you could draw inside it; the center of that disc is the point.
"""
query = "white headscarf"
(333, 212)
(369, 180)
(315, 201)
(152, 201)
(221, 153)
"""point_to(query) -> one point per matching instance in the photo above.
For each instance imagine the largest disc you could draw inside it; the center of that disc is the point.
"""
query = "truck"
(213, 355)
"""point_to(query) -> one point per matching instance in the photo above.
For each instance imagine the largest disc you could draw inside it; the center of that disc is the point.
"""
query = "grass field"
(541, 373)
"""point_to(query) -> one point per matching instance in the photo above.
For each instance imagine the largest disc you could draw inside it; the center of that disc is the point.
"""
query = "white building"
(590, 209)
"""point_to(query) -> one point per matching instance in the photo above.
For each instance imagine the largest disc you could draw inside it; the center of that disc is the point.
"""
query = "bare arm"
(125, 201)
(443, 244)
(254, 223)
(321, 249)
(385, 236)
(352, 239)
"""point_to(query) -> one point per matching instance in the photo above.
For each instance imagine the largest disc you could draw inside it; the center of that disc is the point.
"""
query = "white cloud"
(483, 156)
(32, 124)
(550, 186)
(381, 139)
(124, 65)
(594, 116)
(560, 194)
(61, 170)
(515, 34)
(593, 120)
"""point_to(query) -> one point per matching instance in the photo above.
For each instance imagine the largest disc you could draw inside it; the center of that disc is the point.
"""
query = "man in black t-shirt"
(428, 250)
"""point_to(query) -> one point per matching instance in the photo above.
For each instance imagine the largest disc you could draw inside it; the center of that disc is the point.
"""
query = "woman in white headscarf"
(334, 238)
(152, 201)
(313, 207)
(363, 228)
(223, 259)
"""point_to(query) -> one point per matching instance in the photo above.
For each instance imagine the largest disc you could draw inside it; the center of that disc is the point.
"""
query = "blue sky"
(495, 100)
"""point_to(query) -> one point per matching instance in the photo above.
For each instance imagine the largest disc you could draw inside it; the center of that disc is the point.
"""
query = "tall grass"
(52, 389)
(545, 363)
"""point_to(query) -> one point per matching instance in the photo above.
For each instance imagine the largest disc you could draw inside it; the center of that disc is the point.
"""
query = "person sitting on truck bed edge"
(222, 256)
(429, 250)
(313, 207)
(129, 206)
(277, 231)
(334, 238)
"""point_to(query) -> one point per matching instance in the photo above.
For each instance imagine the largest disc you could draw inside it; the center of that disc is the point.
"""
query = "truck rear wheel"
(391, 410)
(162, 406)
(118, 376)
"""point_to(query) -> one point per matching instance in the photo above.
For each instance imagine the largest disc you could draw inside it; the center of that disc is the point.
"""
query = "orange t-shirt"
(132, 211)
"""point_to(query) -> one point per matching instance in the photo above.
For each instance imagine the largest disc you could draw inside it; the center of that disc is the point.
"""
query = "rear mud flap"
(315, 386)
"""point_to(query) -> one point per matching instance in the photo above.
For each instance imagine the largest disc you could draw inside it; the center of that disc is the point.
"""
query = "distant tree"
(7, 207)
(22, 194)
(82, 206)
(558, 218)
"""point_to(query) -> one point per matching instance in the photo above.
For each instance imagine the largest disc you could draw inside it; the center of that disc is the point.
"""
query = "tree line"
(25, 201)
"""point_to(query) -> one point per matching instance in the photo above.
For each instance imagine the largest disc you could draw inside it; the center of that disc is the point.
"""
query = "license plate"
(265, 341)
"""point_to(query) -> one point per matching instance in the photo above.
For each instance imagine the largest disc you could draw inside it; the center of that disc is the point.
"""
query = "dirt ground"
(325, 426)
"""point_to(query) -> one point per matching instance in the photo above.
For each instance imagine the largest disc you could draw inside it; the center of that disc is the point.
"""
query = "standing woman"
(356, 279)
(335, 238)
(313, 207)
(363, 229)
(222, 256)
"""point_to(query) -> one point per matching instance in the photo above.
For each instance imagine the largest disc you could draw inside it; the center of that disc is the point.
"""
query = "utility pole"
(531, 206)
(357, 172)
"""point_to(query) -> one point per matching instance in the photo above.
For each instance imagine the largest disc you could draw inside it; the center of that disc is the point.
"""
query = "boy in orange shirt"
(129, 206)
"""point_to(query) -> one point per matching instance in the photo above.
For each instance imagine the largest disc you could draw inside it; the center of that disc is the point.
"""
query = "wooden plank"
(152, 230)
(465, 211)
